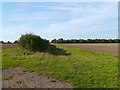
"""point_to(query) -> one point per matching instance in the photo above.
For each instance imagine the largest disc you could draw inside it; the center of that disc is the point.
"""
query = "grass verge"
(84, 69)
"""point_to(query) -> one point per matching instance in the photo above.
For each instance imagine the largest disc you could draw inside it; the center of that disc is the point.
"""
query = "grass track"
(84, 69)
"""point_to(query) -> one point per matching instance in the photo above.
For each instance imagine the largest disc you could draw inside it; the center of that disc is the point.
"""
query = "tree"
(60, 40)
(54, 41)
(1, 42)
(9, 42)
(15, 42)
(86, 41)
(33, 42)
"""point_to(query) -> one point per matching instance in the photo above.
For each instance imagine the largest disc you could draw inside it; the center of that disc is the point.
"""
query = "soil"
(9, 46)
(19, 77)
(111, 48)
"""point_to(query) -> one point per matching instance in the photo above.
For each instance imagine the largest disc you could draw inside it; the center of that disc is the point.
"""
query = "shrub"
(33, 42)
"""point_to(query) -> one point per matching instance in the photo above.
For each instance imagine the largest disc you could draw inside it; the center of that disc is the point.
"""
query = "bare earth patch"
(19, 78)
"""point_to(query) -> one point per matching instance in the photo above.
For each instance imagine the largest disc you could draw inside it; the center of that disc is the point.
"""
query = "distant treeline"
(8, 42)
(61, 40)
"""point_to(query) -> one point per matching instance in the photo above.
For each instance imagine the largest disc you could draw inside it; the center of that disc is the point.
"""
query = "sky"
(68, 20)
(60, 0)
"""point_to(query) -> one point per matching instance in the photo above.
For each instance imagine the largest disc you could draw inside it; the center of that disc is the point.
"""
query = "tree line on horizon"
(9, 42)
(61, 40)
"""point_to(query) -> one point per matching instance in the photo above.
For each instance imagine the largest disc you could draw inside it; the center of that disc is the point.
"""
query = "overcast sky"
(60, 20)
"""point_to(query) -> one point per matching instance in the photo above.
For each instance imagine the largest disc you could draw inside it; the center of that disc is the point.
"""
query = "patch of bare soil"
(19, 78)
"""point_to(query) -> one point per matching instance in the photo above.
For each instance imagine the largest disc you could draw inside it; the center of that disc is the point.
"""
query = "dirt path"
(19, 78)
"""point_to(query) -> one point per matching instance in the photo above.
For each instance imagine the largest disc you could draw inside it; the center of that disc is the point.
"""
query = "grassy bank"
(84, 69)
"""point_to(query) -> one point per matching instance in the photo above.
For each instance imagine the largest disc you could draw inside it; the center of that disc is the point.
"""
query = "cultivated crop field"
(106, 48)
(9, 45)
(82, 65)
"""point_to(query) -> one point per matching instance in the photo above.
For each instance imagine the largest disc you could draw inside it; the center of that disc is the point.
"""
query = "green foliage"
(33, 42)
(1, 42)
(7, 77)
(61, 40)
(16, 42)
(9, 42)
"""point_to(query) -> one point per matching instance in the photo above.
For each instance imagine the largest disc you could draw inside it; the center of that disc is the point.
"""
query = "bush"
(33, 42)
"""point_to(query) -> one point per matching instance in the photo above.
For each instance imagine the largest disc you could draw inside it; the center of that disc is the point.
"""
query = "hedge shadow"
(57, 51)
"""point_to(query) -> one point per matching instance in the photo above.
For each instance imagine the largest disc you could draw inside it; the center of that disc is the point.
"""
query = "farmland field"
(111, 49)
(9, 45)
(82, 67)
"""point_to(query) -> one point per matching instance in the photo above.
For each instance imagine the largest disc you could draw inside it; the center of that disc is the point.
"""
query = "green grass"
(84, 69)
(7, 77)
(0, 58)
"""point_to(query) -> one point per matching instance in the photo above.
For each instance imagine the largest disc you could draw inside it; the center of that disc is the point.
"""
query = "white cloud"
(94, 17)
(54, 7)
(90, 24)
(85, 20)
(32, 16)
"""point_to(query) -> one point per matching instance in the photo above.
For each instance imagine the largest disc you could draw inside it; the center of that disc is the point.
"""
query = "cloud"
(32, 16)
(94, 16)
(54, 7)
(97, 21)
(67, 20)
